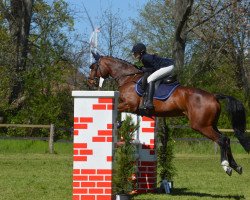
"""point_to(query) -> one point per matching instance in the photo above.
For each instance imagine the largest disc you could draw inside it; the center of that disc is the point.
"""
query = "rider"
(154, 68)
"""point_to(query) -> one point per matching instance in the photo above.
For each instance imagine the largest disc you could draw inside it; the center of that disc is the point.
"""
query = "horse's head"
(97, 69)
(93, 81)
(106, 66)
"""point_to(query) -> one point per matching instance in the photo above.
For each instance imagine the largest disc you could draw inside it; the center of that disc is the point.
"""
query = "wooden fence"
(51, 127)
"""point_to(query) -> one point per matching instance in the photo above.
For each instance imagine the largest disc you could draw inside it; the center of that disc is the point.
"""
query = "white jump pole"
(95, 115)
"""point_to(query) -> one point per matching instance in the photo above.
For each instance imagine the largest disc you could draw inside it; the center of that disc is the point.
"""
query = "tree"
(207, 39)
(51, 69)
(183, 9)
(47, 88)
(111, 38)
(220, 32)
(18, 14)
(113, 33)
(155, 27)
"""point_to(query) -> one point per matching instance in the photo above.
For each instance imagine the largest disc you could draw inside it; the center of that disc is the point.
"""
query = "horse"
(200, 107)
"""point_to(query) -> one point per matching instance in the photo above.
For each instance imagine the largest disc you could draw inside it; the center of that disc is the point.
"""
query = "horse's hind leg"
(225, 157)
(227, 146)
(232, 162)
(211, 133)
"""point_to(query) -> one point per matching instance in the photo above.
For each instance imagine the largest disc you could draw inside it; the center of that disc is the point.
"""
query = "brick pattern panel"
(147, 176)
(93, 148)
(147, 161)
(147, 164)
(93, 184)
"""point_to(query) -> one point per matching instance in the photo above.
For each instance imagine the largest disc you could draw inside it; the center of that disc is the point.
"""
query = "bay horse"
(200, 107)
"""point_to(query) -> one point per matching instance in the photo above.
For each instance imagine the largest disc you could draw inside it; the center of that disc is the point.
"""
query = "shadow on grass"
(185, 192)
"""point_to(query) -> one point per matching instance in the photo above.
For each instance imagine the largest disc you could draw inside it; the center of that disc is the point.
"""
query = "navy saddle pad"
(162, 92)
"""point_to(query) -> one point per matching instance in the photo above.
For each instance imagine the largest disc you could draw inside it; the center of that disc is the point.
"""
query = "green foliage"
(165, 151)
(212, 53)
(155, 27)
(47, 90)
(124, 163)
(138, 64)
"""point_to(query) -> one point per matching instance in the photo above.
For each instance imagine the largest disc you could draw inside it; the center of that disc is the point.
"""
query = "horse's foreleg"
(122, 107)
(126, 107)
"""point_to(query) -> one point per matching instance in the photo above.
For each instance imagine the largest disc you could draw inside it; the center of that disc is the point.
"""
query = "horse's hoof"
(229, 171)
(239, 170)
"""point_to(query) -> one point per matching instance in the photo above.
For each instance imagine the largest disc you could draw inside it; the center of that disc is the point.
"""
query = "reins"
(131, 74)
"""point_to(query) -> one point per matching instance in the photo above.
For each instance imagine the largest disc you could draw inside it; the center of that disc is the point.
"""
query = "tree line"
(41, 62)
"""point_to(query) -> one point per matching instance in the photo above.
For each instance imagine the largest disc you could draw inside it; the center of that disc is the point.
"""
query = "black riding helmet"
(139, 48)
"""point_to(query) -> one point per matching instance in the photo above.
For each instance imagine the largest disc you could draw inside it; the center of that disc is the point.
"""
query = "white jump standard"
(94, 118)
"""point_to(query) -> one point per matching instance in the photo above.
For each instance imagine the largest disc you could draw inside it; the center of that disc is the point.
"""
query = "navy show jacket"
(151, 63)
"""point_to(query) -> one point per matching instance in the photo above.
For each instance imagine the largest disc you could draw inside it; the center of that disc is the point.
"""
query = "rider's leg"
(144, 81)
(144, 88)
(161, 73)
(151, 89)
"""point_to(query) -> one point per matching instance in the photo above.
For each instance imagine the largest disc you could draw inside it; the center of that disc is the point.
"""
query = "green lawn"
(201, 177)
(28, 172)
(35, 176)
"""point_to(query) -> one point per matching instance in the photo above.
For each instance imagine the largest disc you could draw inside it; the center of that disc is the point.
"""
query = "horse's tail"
(237, 116)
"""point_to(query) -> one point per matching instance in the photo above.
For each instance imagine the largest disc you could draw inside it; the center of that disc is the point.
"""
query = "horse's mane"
(123, 61)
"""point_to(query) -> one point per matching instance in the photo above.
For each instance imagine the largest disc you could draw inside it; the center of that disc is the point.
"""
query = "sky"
(126, 8)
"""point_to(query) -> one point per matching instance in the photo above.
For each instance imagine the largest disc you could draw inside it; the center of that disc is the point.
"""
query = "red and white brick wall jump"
(94, 118)
(147, 161)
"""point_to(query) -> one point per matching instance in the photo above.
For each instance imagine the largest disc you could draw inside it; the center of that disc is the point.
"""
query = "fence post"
(51, 138)
(215, 148)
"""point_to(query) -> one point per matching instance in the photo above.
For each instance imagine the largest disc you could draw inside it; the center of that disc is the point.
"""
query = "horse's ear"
(96, 56)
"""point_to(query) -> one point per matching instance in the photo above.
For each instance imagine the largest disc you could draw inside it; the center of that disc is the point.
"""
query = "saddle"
(169, 79)
(163, 87)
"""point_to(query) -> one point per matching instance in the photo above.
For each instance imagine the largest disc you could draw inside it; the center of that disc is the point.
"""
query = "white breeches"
(160, 73)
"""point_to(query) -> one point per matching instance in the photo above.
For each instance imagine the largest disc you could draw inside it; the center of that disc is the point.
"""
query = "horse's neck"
(122, 72)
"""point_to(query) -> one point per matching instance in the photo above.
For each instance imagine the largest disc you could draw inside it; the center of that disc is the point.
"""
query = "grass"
(28, 172)
(201, 177)
(35, 176)
(30, 146)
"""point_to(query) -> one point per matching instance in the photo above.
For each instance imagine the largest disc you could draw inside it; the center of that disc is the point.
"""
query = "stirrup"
(147, 107)
(150, 107)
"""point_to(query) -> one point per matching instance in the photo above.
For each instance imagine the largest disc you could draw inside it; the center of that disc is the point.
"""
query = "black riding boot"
(144, 81)
(151, 89)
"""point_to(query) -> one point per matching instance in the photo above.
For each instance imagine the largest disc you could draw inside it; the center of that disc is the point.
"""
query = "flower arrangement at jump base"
(125, 160)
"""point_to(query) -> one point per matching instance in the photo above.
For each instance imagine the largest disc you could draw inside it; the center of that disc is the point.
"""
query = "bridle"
(96, 69)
